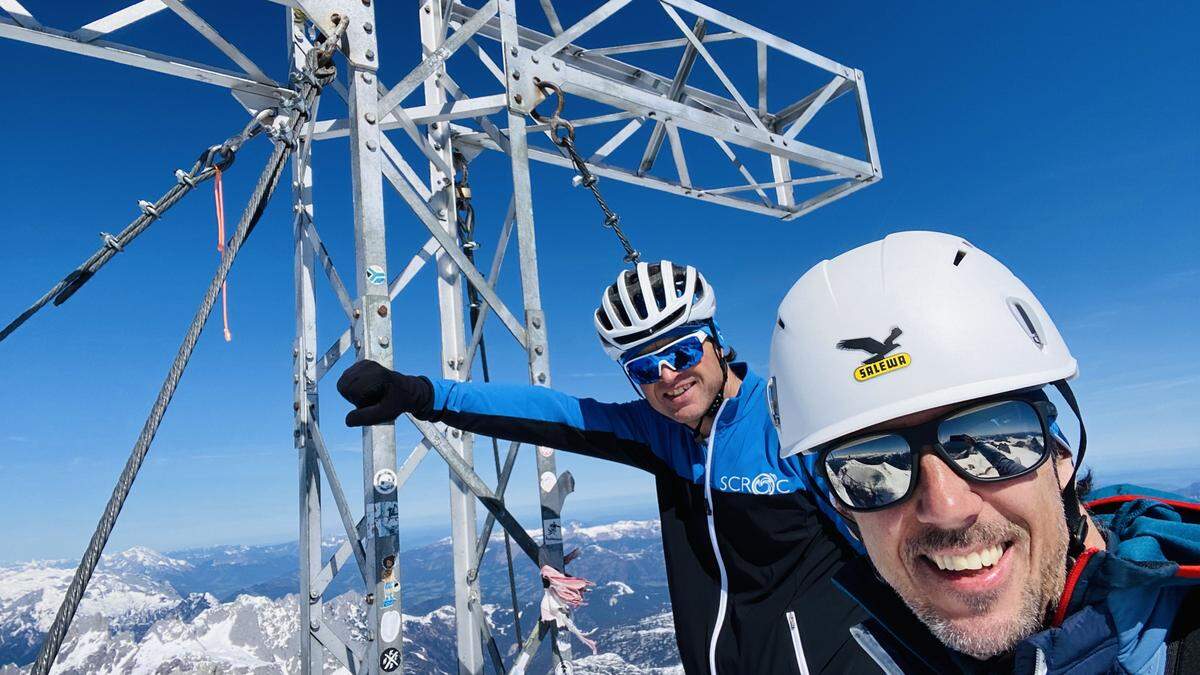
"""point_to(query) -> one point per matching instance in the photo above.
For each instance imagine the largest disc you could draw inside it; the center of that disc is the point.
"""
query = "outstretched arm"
(617, 432)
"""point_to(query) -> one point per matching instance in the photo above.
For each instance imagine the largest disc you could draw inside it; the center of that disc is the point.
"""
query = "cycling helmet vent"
(648, 301)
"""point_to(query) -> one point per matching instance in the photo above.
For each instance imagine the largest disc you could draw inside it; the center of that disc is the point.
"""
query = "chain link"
(563, 134)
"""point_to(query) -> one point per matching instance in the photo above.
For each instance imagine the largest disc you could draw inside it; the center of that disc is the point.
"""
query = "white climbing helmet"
(915, 321)
(640, 306)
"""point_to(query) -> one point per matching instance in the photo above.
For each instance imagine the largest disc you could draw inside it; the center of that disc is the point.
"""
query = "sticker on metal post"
(385, 518)
(545, 452)
(375, 275)
(389, 660)
(547, 480)
(388, 602)
(389, 626)
(385, 481)
(553, 531)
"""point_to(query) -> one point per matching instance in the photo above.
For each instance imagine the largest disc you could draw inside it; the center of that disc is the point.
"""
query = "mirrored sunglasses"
(996, 440)
(679, 355)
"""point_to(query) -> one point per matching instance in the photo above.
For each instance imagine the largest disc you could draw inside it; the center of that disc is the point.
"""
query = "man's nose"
(945, 500)
(667, 373)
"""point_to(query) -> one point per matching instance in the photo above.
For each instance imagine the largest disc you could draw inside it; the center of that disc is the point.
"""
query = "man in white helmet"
(920, 395)
(749, 554)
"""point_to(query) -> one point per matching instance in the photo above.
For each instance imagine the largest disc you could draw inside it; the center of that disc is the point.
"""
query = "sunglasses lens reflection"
(868, 473)
(995, 440)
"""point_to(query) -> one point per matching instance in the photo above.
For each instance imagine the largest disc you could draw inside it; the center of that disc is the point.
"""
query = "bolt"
(370, 599)
(537, 323)
(314, 596)
(366, 77)
(371, 146)
(556, 65)
(472, 575)
(358, 344)
(384, 341)
(368, 28)
(455, 433)
(296, 208)
(296, 406)
(433, 126)
(513, 51)
(370, 54)
(517, 99)
(737, 128)
(308, 355)
(516, 74)
(539, 350)
(542, 377)
(426, 9)
(314, 624)
(369, 117)
(366, 3)
(295, 351)
(296, 379)
(357, 313)
(437, 146)
(534, 59)
(442, 214)
(382, 311)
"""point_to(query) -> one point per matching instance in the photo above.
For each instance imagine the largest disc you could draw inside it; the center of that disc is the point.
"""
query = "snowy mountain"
(147, 612)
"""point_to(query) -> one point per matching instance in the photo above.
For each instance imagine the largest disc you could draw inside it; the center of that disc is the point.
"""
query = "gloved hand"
(381, 395)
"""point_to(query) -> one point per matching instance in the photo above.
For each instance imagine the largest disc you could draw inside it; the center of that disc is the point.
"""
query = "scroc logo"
(762, 484)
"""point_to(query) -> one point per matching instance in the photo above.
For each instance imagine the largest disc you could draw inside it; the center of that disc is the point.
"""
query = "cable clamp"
(111, 242)
(185, 179)
(147, 208)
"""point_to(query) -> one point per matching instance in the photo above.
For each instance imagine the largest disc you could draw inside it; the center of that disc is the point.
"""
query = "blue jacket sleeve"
(618, 432)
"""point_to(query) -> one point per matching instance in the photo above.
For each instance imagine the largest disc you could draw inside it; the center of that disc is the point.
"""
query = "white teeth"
(679, 390)
(973, 561)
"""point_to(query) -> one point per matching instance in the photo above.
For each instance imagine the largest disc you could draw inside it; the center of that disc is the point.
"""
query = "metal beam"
(661, 44)
(139, 58)
(686, 63)
(225, 46)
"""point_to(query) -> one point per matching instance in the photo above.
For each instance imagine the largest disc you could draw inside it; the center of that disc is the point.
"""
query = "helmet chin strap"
(719, 398)
(1077, 522)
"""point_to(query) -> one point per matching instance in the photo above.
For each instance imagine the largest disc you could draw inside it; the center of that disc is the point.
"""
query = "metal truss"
(518, 58)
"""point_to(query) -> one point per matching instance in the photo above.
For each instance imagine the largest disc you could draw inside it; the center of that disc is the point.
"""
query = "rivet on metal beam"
(541, 377)
(370, 54)
(371, 146)
(369, 117)
(382, 311)
(537, 323)
(539, 350)
(368, 28)
(314, 624)
(513, 51)
(517, 99)
(366, 77)
(516, 75)
(384, 341)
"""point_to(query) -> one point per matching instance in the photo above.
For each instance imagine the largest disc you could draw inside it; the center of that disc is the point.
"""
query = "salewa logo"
(879, 362)
(762, 484)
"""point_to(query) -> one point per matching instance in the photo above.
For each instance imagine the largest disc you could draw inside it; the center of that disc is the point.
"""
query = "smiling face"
(978, 563)
(684, 396)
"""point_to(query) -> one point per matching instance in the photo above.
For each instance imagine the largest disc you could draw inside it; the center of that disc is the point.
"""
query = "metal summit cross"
(448, 123)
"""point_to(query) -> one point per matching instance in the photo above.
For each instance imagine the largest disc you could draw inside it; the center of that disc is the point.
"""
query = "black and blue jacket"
(749, 553)
(1133, 607)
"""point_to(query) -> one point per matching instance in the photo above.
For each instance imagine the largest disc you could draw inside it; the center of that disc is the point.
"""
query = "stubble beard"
(983, 640)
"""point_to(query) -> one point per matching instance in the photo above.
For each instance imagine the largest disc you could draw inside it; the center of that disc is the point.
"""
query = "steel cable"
(263, 190)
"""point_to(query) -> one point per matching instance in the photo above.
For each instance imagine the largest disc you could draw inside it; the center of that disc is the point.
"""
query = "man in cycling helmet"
(922, 397)
(749, 554)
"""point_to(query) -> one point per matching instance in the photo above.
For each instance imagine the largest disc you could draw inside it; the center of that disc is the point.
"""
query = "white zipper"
(801, 662)
(712, 537)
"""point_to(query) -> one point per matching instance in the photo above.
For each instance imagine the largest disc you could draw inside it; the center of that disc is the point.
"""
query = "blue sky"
(1061, 139)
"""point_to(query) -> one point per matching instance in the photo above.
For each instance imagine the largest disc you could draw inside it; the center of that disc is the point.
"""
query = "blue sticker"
(375, 275)
(388, 602)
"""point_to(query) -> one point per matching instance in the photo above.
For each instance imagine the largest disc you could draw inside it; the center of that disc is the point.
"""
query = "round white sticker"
(547, 481)
(385, 481)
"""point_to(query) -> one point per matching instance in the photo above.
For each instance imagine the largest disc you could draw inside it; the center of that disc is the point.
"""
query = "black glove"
(381, 395)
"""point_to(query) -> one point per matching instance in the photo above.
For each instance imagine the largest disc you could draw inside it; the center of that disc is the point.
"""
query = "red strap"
(219, 198)
(1068, 588)
(1121, 499)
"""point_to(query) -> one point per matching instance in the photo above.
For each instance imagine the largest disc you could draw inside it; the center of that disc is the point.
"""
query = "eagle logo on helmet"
(879, 362)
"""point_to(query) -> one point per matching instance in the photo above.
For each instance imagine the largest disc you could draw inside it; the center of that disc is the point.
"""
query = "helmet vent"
(959, 256)
(780, 322)
(1026, 321)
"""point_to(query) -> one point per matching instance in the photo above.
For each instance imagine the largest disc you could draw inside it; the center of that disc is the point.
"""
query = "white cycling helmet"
(915, 321)
(648, 301)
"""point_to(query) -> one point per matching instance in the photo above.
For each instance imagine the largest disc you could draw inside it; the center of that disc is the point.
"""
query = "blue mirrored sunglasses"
(679, 355)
